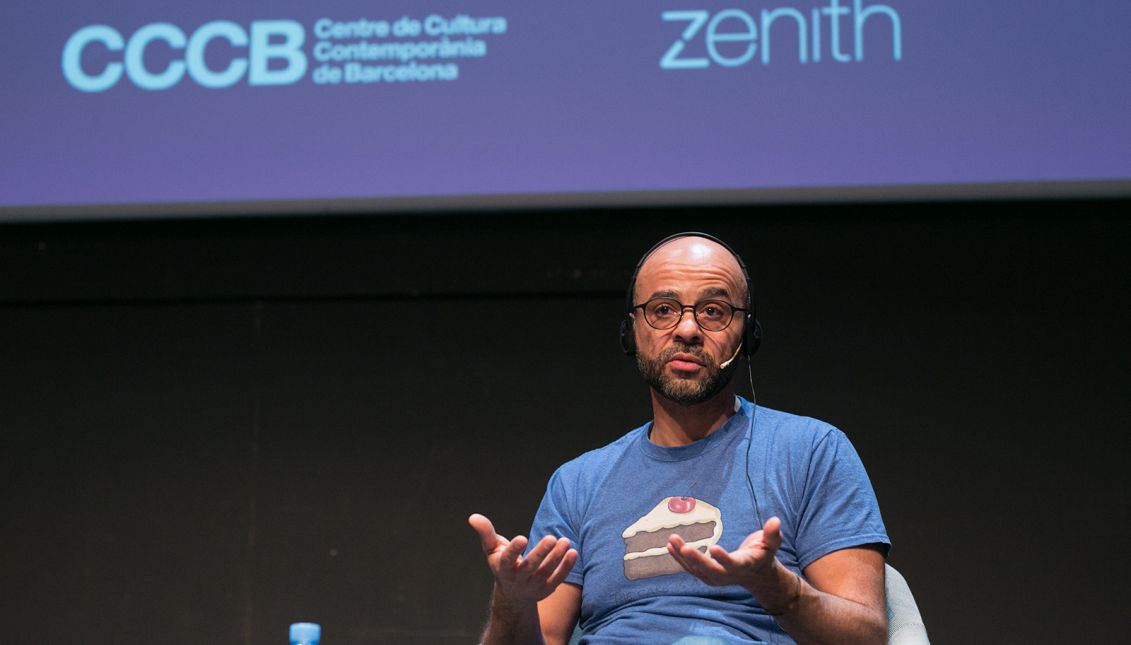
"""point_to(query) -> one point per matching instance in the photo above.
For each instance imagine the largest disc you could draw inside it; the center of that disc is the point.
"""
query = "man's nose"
(687, 329)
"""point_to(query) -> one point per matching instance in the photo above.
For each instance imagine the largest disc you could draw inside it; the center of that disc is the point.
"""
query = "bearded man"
(720, 521)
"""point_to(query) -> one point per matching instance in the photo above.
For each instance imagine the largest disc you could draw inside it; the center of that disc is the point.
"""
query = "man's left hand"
(749, 565)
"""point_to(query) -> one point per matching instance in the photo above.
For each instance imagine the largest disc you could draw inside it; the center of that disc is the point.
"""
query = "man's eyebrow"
(714, 291)
(664, 293)
(708, 292)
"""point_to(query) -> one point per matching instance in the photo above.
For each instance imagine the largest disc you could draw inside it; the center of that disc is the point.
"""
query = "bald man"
(719, 521)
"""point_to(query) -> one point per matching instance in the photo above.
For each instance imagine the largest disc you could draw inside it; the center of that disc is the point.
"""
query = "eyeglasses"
(710, 315)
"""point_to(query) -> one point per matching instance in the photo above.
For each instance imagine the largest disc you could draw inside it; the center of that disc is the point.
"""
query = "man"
(660, 536)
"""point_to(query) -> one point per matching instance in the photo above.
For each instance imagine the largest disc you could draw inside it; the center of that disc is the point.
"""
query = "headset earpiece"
(753, 336)
(627, 337)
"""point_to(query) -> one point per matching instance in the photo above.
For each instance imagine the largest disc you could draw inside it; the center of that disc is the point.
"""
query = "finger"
(675, 543)
(726, 560)
(674, 553)
(752, 541)
(552, 560)
(563, 569)
(677, 555)
(709, 569)
(676, 546)
(510, 554)
(698, 564)
(560, 546)
(533, 559)
(699, 559)
(487, 535)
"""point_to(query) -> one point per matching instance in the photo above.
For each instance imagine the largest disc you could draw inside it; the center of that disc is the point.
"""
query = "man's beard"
(685, 391)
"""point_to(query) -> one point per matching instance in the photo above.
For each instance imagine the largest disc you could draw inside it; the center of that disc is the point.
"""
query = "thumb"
(771, 534)
(486, 531)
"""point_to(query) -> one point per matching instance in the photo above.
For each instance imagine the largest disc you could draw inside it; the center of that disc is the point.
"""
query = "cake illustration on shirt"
(646, 540)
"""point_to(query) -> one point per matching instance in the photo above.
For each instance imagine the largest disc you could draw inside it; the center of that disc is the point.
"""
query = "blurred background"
(224, 426)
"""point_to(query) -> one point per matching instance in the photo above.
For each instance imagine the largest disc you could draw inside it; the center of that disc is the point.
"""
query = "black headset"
(751, 330)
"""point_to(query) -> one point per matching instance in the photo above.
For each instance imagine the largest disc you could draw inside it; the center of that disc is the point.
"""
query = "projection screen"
(155, 109)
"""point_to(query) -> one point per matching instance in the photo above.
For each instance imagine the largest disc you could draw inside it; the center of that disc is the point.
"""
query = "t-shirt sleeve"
(555, 517)
(839, 508)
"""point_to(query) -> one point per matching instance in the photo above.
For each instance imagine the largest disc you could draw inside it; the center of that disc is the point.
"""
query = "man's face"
(682, 363)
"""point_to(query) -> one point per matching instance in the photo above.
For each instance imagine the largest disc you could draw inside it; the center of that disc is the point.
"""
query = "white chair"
(905, 625)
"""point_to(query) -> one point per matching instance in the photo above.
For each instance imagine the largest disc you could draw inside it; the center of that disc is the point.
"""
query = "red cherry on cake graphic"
(681, 504)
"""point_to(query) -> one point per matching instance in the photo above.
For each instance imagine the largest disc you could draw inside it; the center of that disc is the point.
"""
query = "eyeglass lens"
(712, 315)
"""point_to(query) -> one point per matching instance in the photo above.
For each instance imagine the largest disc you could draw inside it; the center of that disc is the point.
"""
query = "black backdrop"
(214, 428)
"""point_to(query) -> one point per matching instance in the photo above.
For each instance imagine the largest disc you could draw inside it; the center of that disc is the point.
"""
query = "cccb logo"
(274, 55)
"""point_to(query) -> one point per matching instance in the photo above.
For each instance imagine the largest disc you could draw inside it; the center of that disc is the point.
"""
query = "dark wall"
(220, 427)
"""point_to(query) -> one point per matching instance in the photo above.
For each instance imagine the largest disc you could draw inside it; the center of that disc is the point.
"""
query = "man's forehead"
(709, 266)
(691, 246)
(692, 252)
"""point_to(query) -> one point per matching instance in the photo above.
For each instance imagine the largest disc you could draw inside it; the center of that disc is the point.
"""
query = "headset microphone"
(730, 360)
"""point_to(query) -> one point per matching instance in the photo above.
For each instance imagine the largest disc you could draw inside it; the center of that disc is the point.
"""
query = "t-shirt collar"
(694, 449)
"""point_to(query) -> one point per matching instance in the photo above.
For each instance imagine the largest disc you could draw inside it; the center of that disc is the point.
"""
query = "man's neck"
(679, 425)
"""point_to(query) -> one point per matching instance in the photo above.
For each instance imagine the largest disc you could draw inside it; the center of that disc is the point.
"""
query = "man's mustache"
(694, 350)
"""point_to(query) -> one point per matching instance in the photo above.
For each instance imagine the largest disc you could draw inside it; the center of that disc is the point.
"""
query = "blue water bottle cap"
(306, 633)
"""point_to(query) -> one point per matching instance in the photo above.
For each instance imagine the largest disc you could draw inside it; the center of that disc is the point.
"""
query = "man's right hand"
(523, 581)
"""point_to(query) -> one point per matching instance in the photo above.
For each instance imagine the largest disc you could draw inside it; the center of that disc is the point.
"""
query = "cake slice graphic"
(646, 540)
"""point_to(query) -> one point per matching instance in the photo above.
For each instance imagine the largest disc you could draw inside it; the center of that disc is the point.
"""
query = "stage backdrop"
(156, 108)
(211, 429)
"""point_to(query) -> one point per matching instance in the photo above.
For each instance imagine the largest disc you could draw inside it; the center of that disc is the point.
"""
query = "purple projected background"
(573, 98)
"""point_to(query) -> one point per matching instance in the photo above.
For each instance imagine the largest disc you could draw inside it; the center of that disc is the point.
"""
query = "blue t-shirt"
(617, 504)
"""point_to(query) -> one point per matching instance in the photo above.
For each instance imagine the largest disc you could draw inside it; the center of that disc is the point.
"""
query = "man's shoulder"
(575, 482)
(600, 458)
(791, 421)
(787, 428)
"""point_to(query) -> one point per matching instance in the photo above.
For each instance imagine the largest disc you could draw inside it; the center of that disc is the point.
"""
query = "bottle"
(306, 633)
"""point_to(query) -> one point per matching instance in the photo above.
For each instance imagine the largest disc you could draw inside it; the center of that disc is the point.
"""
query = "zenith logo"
(732, 37)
